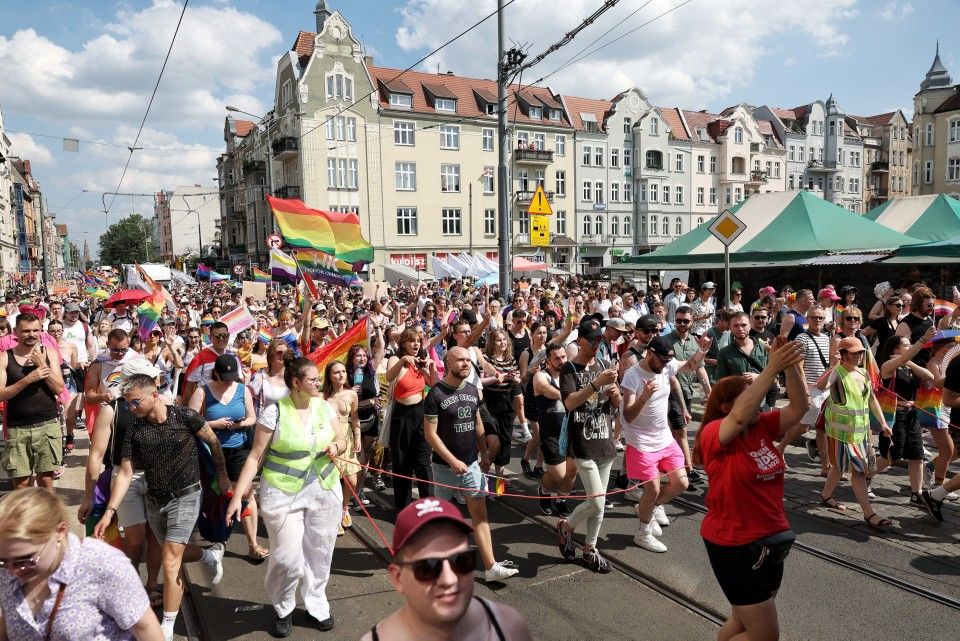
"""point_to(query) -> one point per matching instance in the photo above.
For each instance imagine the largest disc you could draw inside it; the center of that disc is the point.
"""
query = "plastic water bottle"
(358, 377)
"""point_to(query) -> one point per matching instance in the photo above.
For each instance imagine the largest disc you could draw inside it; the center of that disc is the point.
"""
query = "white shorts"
(133, 508)
(817, 398)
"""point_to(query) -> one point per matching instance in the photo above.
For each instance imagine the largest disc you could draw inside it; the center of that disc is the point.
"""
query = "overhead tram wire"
(153, 96)
(570, 35)
(100, 143)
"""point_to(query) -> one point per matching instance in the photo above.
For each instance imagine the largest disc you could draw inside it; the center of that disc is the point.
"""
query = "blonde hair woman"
(48, 570)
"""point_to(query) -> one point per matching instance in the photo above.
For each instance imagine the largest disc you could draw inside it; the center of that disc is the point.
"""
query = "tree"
(127, 241)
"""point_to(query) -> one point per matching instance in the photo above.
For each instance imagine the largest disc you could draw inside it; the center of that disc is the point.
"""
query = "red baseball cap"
(416, 515)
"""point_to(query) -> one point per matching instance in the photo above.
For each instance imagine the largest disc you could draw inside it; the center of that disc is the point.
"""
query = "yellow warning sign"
(726, 227)
(539, 203)
(539, 230)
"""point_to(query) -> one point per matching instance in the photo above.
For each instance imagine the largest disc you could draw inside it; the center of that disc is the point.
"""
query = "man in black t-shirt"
(453, 429)
(759, 328)
(933, 499)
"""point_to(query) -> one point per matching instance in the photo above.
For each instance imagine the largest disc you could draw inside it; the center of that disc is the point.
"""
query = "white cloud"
(24, 146)
(701, 52)
(895, 10)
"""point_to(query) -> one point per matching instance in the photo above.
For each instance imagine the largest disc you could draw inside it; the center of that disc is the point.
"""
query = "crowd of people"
(588, 377)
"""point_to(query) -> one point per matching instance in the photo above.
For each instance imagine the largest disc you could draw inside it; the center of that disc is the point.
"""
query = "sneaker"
(648, 541)
(620, 446)
(568, 548)
(363, 497)
(499, 571)
(870, 494)
(596, 563)
(655, 528)
(608, 504)
(525, 435)
(525, 466)
(660, 516)
(546, 501)
(634, 494)
(347, 520)
(812, 452)
(378, 484)
(282, 627)
(915, 500)
(324, 626)
(517, 434)
(216, 570)
(560, 508)
(340, 530)
(934, 507)
(952, 496)
(694, 477)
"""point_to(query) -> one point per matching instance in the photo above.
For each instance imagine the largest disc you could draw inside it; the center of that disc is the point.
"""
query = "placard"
(257, 290)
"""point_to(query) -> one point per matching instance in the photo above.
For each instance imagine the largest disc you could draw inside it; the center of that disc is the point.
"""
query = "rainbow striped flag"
(337, 350)
(283, 268)
(334, 233)
(237, 319)
(496, 485)
(928, 402)
(324, 267)
(943, 307)
(260, 276)
(264, 336)
(151, 309)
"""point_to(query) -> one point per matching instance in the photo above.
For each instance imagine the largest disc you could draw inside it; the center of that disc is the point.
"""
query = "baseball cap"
(768, 291)
(589, 329)
(851, 344)
(71, 307)
(137, 366)
(661, 347)
(828, 292)
(227, 367)
(320, 323)
(618, 324)
(708, 285)
(648, 322)
(428, 510)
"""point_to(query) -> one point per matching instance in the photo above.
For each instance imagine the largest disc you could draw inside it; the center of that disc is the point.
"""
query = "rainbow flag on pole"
(283, 268)
(260, 276)
(324, 267)
(334, 233)
(151, 309)
(337, 350)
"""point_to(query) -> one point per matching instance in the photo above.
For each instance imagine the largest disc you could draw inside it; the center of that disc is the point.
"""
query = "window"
(713, 164)
(406, 176)
(341, 124)
(614, 157)
(488, 139)
(560, 184)
(449, 137)
(654, 160)
(445, 104)
(666, 226)
(352, 129)
(560, 145)
(539, 178)
(329, 125)
(643, 192)
(404, 132)
(653, 225)
(587, 155)
(614, 226)
(286, 93)
(561, 216)
(954, 130)
(713, 195)
(855, 158)
(523, 139)
(627, 227)
(488, 174)
(841, 156)
(739, 193)
(833, 128)
(450, 178)
(555, 114)
(626, 159)
(331, 172)
(678, 190)
(353, 174)
(953, 168)
(654, 127)
(587, 190)
(701, 163)
(738, 135)
(791, 153)
(855, 185)
(679, 162)
(776, 170)
(654, 194)
(523, 180)
(539, 141)
(839, 183)
(800, 154)
(340, 87)
(666, 194)
(598, 225)
(489, 222)
(598, 154)
(626, 126)
(790, 181)
(598, 192)
(728, 196)
(699, 221)
(643, 225)
(407, 221)
(679, 226)
(628, 192)
(928, 172)
(928, 134)
(536, 113)
(450, 219)
(819, 154)
(700, 195)
(586, 225)
(916, 172)
(342, 173)
(402, 100)
(614, 192)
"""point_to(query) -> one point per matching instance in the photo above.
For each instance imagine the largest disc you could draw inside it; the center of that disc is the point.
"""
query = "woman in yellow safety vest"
(296, 441)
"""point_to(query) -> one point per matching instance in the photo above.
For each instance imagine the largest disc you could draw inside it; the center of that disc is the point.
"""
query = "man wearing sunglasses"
(200, 370)
(433, 571)
(103, 370)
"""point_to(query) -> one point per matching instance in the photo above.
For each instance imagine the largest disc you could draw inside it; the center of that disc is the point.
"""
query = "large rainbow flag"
(260, 276)
(151, 309)
(337, 350)
(330, 232)
(324, 267)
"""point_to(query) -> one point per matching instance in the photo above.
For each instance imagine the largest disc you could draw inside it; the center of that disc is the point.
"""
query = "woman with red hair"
(746, 530)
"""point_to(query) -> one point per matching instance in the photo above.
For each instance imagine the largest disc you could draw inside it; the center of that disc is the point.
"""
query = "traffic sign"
(539, 230)
(539, 203)
(274, 241)
(726, 227)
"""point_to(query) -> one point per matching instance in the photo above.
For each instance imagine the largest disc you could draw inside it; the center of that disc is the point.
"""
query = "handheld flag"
(331, 232)
(283, 268)
(337, 350)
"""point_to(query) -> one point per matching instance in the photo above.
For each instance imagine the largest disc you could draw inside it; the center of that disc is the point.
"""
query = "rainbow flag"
(151, 309)
(943, 307)
(326, 231)
(324, 267)
(237, 319)
(283, 268)
(260, 276)
(496, 485)
(337, 350)
(264, 336)
(928, 401)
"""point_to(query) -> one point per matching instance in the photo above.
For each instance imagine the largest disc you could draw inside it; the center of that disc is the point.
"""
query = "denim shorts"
(471, 484)
(174, 522)
(132, 509)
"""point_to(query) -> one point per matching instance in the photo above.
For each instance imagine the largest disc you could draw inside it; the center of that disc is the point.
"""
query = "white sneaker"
(634, 494)
(499, 571)
(655, 528)
(216, 570)
(660, 515)
(951, 496)
(648, 541)
(620, 446)
(524, 434)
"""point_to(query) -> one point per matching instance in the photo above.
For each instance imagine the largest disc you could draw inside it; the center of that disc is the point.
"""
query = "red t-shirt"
(745, 501)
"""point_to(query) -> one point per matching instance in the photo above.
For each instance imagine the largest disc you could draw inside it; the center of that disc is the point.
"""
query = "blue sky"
(85, 69)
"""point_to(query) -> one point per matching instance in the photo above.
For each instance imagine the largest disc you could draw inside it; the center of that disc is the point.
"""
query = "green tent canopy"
(934, 217)
(782, 228)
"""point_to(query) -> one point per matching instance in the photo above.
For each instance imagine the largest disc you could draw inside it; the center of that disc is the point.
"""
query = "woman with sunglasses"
(296, 441)
(164, 358)
(885, 326)
(72, 589)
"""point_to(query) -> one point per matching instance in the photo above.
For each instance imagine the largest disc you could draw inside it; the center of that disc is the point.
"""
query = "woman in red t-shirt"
(737, 447)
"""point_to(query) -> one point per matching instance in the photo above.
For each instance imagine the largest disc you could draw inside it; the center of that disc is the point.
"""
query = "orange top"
(410, 383)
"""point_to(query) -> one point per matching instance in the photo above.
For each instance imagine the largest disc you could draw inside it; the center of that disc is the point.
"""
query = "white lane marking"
(562, 576)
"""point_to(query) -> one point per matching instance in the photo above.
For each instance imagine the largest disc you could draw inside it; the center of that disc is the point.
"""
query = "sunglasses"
(428, 570)
(220, 335)
(900, 305)
(817, 317)
(119, 350)
(682, 321)
(759, 318)
(135, 403)
(853, 318)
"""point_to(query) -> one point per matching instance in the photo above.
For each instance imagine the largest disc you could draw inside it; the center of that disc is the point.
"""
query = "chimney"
(368, 61)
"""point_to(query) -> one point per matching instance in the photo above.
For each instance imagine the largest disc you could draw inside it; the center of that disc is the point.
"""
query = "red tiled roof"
(784, 114)
(717, 128)
(243, 127)
(577, 106)
(881, 119)
(950, 104)
(439, 91)
(698, 120)
(671, 115)
(304, 44)
(848, 131)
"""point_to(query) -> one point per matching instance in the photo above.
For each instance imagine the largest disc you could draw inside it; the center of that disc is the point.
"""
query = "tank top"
(234, 409)
(550, 412)
(368, 389)
(490, 617)
(799, 325)
(520, 343)
(121, 422)
(918, 327)
(35, 403)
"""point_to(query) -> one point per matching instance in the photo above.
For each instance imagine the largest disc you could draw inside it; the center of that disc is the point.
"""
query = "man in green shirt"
(744, 355)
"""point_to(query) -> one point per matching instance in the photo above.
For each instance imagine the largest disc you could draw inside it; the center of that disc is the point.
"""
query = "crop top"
(409, 383)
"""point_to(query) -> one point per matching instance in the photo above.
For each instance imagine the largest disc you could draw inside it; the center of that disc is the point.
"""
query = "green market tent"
(937, 251)
(782, 228)
(935, 217)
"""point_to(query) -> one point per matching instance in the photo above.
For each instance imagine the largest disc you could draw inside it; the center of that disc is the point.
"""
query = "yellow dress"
(348, 463)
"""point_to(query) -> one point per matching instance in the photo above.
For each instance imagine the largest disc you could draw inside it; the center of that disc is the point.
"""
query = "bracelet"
(109, 507)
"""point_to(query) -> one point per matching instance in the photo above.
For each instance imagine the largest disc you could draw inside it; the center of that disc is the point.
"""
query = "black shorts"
(741, 584)
(906, 444)
(234, 458)
(675, 412)
(550, 446)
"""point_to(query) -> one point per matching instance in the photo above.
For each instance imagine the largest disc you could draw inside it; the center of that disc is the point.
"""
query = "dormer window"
(402, 100)
(555, 114)
(654, 127)
(491, 108)
(536, 113)
(445, 104)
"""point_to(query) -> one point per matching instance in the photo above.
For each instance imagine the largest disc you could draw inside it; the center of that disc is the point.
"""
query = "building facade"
(887, 154)
(27, 207)
(187, 222)
(9, 250)
(936, 133)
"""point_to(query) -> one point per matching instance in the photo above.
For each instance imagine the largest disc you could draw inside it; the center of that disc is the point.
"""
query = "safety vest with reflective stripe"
(298, 449)
(847, 414)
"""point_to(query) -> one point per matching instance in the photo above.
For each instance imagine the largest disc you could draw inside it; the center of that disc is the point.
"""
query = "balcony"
(33, 239)
(526, 196)
(287, 191)
(533, 156)
(881, 193)
(823, 166)
(880, 167)
(286, 146)
(757, 177)
(251, 166)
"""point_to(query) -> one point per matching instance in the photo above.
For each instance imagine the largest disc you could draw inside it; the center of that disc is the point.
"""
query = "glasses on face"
(763, 318)
(24, 563)
(220, 336)
(429, 569)
(682, 321)
(817, 318)
(313, 380)
(135, 403)
(897, 305)
(852, 319)
(341, 321)
(118, 351)
(193, 337)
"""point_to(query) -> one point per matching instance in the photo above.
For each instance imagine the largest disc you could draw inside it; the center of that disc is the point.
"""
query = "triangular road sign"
(539, 203)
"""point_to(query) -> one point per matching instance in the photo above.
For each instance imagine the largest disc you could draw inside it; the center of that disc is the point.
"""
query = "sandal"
(57, 473)
(155, 593)
(832, 503)
(258, 553)
(881, 525)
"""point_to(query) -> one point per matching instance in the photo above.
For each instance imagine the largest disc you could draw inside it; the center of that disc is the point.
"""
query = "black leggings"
(500, 405)
(410, 452)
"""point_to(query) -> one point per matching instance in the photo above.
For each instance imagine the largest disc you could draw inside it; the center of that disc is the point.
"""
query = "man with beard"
(745, 355)
(30, 379)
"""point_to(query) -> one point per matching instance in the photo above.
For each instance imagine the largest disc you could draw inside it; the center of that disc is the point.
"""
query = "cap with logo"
(227, 367)
(429, 510)
(589, 329)
(661, 347)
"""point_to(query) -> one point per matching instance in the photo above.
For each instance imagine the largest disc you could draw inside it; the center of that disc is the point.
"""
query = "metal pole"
(199, 236)
(726, 274)
(256, 218)
(503, 184)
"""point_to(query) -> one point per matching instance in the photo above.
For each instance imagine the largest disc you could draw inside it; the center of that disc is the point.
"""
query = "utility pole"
(507, 61)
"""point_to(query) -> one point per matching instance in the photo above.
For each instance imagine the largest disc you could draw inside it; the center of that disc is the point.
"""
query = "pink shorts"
(646, 466)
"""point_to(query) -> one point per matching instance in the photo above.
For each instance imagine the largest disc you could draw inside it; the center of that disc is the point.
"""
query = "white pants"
(302, 529)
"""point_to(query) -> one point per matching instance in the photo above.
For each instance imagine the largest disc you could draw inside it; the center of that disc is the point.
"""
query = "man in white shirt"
(121, 318)
(674, 299)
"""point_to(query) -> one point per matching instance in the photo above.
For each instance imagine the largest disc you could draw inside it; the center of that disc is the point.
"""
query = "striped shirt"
(813, 365)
